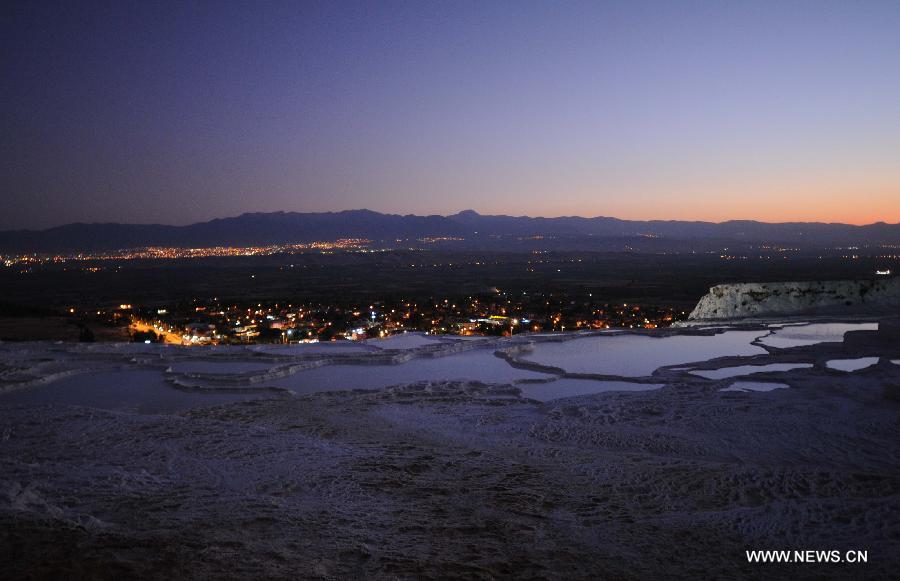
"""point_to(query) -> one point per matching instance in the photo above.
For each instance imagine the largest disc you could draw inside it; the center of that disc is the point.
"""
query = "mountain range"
(287, 227)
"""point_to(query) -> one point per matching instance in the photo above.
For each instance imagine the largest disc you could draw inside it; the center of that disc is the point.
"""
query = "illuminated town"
(499, 313)
(175, 253)
(25, 261)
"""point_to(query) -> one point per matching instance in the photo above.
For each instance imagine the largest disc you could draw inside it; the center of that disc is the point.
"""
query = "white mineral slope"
(452, 479)
(745, 386)
(813, 333)
(851, 365)
(736, 301)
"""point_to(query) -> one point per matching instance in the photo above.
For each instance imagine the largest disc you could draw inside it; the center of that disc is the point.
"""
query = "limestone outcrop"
(734, 301)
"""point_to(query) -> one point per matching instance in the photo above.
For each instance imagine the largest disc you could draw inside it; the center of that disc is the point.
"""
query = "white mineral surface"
(569, 387)
(851, 364)
(637, 355)
(754, 386)
(813, 333)
(404, 341)
(725, 372)
(578, 456)
(741, 300)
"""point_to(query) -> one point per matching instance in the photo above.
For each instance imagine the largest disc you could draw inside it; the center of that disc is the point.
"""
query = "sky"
(158, 112)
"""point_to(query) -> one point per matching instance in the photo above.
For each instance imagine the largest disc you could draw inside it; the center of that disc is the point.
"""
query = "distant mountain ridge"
(286, 227)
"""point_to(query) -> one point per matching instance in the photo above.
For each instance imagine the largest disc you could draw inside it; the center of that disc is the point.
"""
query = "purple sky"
(174, 113)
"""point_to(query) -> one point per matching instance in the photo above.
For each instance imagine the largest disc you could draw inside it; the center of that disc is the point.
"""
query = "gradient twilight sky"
(185, 111)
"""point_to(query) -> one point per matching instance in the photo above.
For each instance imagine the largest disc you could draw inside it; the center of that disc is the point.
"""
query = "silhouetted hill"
(243, 230)
(286, 227)
(814, 233)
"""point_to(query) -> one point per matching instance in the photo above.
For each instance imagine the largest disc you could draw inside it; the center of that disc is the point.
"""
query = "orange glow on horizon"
(857, 206)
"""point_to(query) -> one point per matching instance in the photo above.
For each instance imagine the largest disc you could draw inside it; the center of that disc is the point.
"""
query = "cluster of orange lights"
(167, 252)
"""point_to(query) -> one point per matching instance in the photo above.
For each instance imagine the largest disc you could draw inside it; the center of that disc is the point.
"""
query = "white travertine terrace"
(740, 300)
(445, 457)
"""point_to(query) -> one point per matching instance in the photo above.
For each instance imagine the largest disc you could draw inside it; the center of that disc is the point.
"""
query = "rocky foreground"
(468, 480)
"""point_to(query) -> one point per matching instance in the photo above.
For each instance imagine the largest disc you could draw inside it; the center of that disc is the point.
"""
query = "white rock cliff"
(733, 301)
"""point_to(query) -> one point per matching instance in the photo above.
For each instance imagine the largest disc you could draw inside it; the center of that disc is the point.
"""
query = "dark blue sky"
(178, 112)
